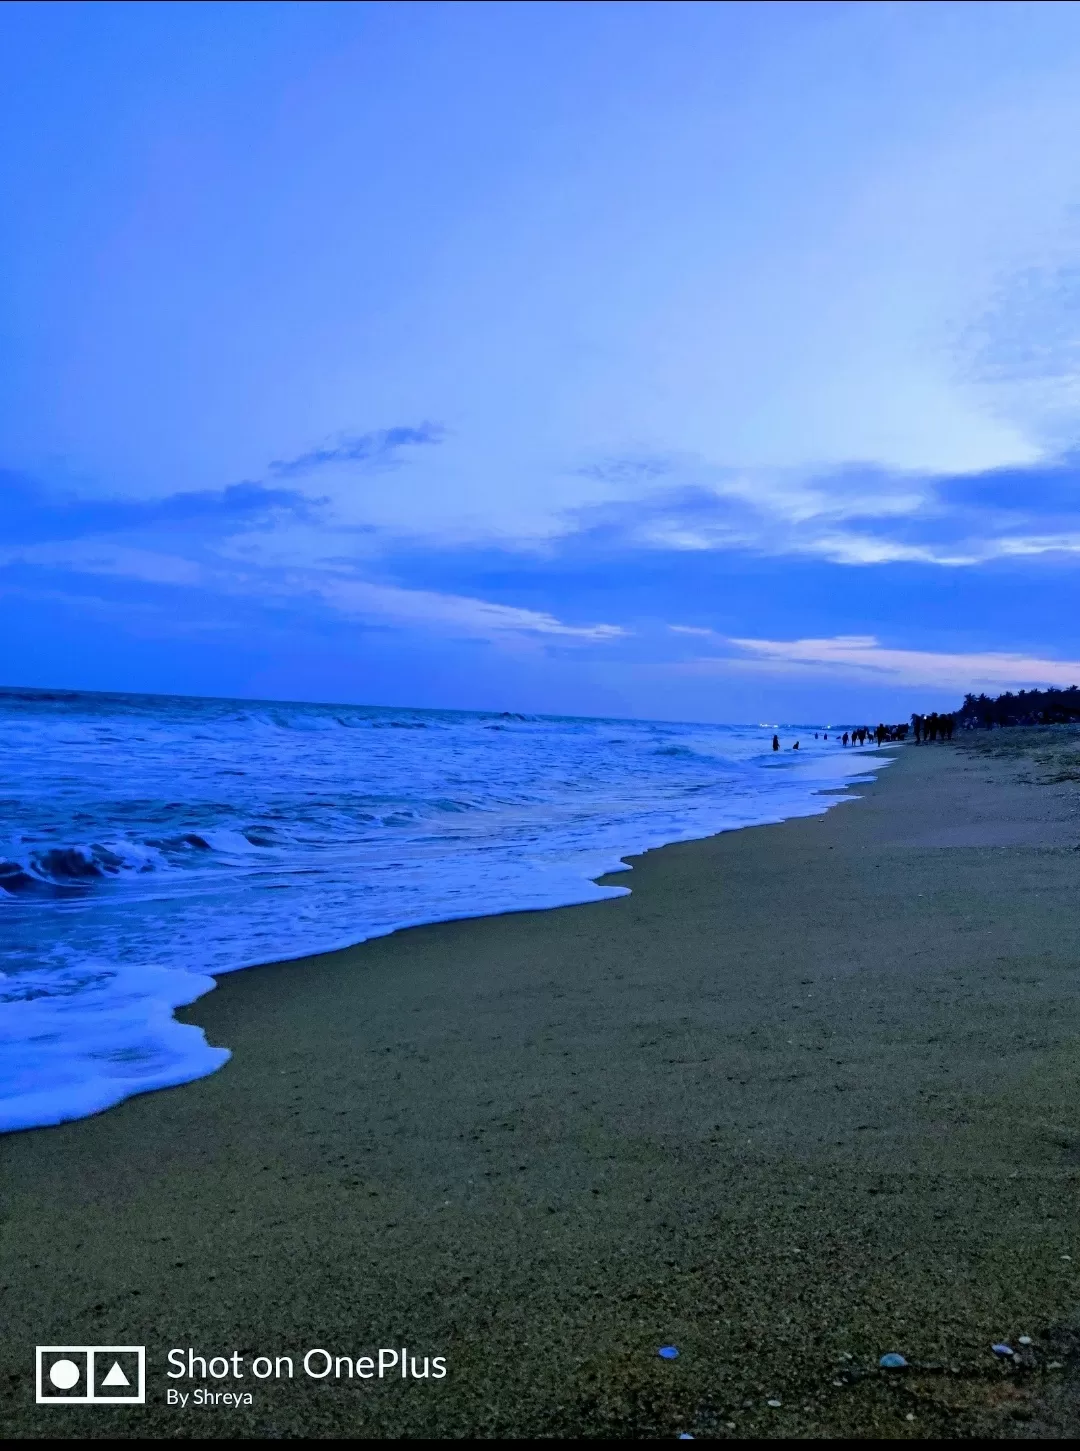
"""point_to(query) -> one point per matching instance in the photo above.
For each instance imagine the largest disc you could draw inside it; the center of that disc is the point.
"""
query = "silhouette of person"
(795, 747)
(845, 738)
(776, 743)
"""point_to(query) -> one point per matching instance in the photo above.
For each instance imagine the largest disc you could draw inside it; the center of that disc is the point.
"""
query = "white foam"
(69, 1056)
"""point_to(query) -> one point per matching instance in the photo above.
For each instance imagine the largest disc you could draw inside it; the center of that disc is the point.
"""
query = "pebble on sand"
(1002, 1349)
(892, 1361)
(668, 1352)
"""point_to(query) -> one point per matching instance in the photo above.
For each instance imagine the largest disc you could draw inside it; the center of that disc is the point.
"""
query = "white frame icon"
(91, 1398)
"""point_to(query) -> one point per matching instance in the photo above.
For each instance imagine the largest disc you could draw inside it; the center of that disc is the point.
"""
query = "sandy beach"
(807, 1096)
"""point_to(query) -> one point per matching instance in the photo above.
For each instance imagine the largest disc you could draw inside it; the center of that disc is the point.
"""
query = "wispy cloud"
(381, 448)
(631, 469)
(863, 657)
(1030, 332)
(33, 514)
(107, 557)
(206, 540)
(448, 613)
(430, 611)
(861, 515)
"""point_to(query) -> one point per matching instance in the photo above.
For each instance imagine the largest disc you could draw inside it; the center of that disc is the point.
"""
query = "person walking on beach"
(776, 743)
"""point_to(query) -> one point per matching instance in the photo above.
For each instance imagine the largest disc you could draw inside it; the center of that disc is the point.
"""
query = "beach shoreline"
(323, 828)
(805, 1096)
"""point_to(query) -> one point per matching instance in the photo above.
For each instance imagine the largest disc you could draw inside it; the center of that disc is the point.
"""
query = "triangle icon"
(116, 1376)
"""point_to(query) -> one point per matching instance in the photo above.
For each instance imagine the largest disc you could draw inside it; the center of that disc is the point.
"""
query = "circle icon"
(64, 1374)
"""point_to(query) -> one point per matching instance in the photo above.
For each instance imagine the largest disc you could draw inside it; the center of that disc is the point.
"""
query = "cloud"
(633, 469)
(206, 540)
(1023, 352)
(104, 557)
(1031, 330)
(863, 657)
(446, 613)
(32, 514)
(461, 616)
(847, 516)
(381, 448)
(860, 515)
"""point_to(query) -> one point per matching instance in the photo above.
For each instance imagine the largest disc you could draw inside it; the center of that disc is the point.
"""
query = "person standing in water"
(776, 743)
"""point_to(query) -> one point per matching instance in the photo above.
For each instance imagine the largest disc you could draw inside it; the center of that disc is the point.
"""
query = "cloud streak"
(450, 613)
(863, 657)
(381, 448)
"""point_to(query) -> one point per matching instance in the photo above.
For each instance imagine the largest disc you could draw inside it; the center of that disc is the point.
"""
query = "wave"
(73, 866)
(80, 865)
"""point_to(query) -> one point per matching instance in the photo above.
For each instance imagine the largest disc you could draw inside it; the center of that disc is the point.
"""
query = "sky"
(688, 361)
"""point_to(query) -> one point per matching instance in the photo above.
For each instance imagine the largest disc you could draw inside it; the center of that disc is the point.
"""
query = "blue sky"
(696, 361)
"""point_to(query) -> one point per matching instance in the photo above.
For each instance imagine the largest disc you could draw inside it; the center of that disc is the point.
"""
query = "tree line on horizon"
(1021, 707)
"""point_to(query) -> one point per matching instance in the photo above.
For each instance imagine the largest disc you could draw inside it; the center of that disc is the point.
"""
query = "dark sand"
(808, 1095)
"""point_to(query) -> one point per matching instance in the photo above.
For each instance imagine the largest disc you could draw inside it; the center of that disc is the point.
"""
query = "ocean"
(148, 842)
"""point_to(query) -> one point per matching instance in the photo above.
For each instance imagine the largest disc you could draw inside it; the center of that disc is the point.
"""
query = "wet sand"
(808, 1095)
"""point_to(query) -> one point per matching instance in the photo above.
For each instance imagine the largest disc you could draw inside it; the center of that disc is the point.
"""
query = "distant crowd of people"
(932, 727)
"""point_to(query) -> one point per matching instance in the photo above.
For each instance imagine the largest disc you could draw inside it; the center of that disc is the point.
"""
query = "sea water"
(149, 842)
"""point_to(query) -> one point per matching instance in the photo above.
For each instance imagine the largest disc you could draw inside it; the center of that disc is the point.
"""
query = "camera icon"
(91, 1375)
